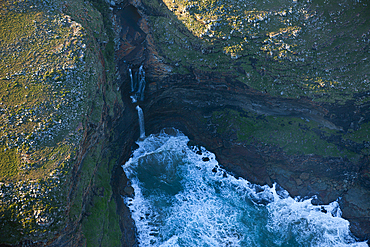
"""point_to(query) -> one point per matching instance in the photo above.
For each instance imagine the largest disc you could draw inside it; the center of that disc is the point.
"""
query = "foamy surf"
(183, 198)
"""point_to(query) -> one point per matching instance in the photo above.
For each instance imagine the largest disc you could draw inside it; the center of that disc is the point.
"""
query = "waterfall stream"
(137, 84)
(137, 88)
(184, 198)
(141, 121)
(132, 80)
(142, 82)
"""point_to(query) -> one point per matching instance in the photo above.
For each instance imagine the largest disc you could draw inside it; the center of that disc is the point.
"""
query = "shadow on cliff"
(188, 101)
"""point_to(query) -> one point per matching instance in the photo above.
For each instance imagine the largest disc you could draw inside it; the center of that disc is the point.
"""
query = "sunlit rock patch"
(42, 78)
(285, 48)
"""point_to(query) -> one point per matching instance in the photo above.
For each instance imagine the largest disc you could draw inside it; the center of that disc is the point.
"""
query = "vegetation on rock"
(52, 81)
(316, 50)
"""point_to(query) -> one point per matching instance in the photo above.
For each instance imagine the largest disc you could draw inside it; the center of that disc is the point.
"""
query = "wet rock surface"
(328, 178)
(191, 102)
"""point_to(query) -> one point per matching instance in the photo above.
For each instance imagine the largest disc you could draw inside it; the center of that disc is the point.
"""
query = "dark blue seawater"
(183, 198)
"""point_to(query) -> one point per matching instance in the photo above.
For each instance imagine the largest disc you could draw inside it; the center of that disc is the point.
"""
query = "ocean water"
(184, 198)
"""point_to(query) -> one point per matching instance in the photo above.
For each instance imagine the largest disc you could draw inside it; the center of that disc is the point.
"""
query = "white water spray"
(184, 198)
(133, 99)
(132, 80)
(141, 121)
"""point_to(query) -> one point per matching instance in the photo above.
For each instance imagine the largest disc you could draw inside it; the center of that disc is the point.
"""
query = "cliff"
(278, 92)
(60, 109)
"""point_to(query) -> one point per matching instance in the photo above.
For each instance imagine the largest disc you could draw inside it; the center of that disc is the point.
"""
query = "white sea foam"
(183, 198)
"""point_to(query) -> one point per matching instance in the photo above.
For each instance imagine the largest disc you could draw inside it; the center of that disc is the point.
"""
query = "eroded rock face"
(304, 146)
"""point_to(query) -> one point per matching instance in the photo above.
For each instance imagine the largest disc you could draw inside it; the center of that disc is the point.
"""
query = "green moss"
(232, 119)
(8, 163)
(97, 109)
(360, 136)
(108, 51)
(291, 134)
(112, 233)
(101, 226)
(85, 179)
(50, 68)
(76, 204)
(296, 136)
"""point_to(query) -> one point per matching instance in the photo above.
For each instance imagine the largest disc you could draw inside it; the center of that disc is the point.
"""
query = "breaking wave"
(184, 198)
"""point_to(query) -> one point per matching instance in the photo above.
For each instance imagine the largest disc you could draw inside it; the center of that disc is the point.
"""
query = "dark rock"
(129, 191)
(205, 159)
(323, 210)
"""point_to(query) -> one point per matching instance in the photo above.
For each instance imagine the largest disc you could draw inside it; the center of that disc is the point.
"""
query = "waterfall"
(137, 90)
(141, 121)
(133, 98)
(137, 84)
(141, 72)
(132, 80)
(141, 86)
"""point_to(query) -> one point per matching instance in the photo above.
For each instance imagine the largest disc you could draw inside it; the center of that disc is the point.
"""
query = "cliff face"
(96, 213)
(59, 137)
(310, 141)
(275, 103)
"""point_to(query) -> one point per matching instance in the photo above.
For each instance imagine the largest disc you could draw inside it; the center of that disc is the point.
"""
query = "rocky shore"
(279, 92)
(297, 142)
